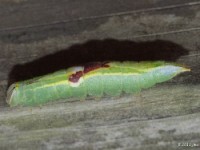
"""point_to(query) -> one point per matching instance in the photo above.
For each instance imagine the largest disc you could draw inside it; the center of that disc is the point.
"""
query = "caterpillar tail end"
(185, 69)
(11, 92)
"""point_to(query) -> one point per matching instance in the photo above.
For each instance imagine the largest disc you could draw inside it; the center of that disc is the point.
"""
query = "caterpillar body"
(93, 79)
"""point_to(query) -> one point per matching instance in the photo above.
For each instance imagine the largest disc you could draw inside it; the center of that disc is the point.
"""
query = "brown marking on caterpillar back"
(87, 68)
(94, 66)
(75, 76)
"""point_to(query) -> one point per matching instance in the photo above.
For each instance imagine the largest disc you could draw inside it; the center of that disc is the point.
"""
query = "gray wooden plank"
(169, 27)
(27, 26)
(159, 118)
(34, 12)
(36, 34)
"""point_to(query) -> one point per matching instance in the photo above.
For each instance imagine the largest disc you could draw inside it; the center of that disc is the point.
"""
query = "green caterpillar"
(94, 79)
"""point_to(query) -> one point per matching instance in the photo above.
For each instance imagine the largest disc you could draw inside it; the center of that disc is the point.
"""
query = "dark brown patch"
(87, 68)
(93, 66)
(75, 76)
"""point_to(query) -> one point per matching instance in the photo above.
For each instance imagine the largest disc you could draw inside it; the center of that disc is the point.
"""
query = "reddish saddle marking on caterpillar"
(75, 76)
(87, 68)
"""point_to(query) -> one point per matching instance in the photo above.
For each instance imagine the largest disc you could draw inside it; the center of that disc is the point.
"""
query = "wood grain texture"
(158, 119)
(38, 37)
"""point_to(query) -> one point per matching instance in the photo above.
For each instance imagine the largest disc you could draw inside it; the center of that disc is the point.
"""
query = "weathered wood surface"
(38, 37)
